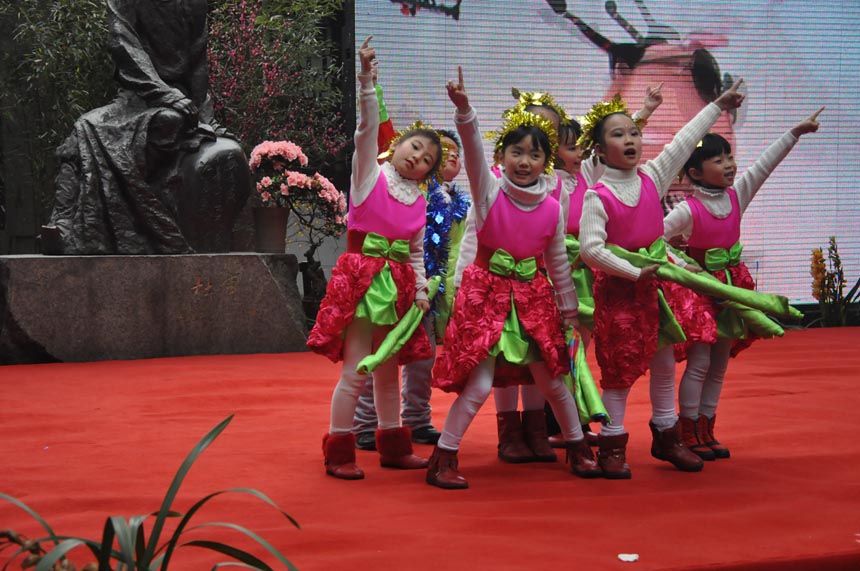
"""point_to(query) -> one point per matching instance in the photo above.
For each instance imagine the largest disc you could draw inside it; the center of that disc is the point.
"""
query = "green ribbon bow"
(504, 264)
(379, 247)
(721, 258)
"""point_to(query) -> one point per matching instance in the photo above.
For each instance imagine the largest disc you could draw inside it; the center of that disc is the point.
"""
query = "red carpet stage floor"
(82, 441)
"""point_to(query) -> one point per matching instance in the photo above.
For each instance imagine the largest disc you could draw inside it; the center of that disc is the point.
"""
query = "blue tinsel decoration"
(440, 216)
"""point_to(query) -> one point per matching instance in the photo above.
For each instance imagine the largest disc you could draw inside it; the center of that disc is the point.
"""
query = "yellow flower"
(818, 271)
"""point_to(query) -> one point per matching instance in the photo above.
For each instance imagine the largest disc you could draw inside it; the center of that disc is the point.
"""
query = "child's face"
(716, 172)
(622, 146)
(414, 157)
(524, 162)
(452, 165)
(570, 156)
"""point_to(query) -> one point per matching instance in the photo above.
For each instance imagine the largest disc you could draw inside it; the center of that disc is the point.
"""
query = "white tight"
(478, 388)
(703, 378)
(662, 389)
(362, 336)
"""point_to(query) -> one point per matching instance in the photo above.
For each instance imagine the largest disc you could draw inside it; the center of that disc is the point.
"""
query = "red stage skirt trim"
(482, 304)
(350, 279)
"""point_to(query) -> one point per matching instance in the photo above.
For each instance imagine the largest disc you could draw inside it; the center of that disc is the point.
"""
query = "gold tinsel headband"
(600, 111)
(539, 99)
(516, 118)
(416, 126)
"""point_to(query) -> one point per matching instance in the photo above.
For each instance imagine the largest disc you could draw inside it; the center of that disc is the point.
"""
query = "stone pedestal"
(92, 308)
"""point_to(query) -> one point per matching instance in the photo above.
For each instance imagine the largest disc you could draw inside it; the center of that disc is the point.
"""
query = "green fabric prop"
(583, 387)
(747, 305)
(399, 335)
(583, 281)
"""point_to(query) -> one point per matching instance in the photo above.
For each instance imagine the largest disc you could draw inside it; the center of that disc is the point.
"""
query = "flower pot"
(270, 229)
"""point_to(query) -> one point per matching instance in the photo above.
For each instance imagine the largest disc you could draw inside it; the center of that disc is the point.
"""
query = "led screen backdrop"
(794, 56)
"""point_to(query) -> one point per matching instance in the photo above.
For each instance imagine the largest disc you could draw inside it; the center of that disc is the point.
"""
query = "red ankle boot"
(666, 445)
(581, 460)
(612, 456)
(707, 431)
(534, 432)
(339, 453)
(692, 437)
(442, 470)
(512, 445)
(395, 449)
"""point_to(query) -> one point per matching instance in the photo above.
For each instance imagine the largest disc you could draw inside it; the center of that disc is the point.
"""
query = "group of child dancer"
(534, 243)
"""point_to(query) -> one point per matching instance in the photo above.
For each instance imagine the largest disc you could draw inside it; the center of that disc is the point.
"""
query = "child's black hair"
(537, 134)
(569, 132)
(531, 109)
(712, 145)
(450, 135)
(431, 134)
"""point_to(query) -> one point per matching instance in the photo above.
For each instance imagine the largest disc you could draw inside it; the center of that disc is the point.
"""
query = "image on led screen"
(794, 56)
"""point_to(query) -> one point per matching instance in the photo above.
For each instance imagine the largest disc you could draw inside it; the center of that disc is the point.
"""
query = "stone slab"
(94, 308)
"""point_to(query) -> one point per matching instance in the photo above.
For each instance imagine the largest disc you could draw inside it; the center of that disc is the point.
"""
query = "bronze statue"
(151, 172)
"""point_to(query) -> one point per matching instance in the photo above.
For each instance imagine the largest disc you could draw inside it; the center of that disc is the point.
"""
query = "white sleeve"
(365, 169)
(416, 260)
(665, 167)
(679, 222)
(752, 179)
(468, 247)
(558, 268)
(592, 240)
(483, 184)
(564, 201)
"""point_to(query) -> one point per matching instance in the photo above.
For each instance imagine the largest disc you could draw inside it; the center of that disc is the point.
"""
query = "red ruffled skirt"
(627, 325)
(482, 304)
(349, 281)
(709, 309)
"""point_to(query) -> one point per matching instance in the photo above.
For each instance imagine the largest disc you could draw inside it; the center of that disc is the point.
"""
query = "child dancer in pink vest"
(505, 305)
(623, 211)
(375, 282)
(710, 220)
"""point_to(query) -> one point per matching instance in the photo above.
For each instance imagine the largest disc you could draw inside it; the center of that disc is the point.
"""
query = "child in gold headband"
(505, 305)
(622, 213)
(376, 281)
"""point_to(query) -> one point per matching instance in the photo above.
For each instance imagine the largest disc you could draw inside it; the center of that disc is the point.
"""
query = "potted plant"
(286, 189)
(828, 287)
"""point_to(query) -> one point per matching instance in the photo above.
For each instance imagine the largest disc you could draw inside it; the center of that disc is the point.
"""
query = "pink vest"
(522, 234)
(633, 227)
(711, 232)
(385, 215)
(576, 198)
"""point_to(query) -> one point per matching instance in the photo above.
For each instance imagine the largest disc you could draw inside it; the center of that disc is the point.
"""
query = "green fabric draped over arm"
(749, 305)
(399, 335)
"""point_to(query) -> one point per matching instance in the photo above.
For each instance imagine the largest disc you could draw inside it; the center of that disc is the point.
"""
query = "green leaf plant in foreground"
(124, 545)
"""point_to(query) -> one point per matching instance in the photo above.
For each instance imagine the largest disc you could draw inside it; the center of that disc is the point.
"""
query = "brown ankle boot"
(691, 436)
(612, 456)
(442, 470)
(707, 431)
(339, 453)
(534, 432)
(666, 445)
(581, 460)
(512, 446)
(395, 449)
